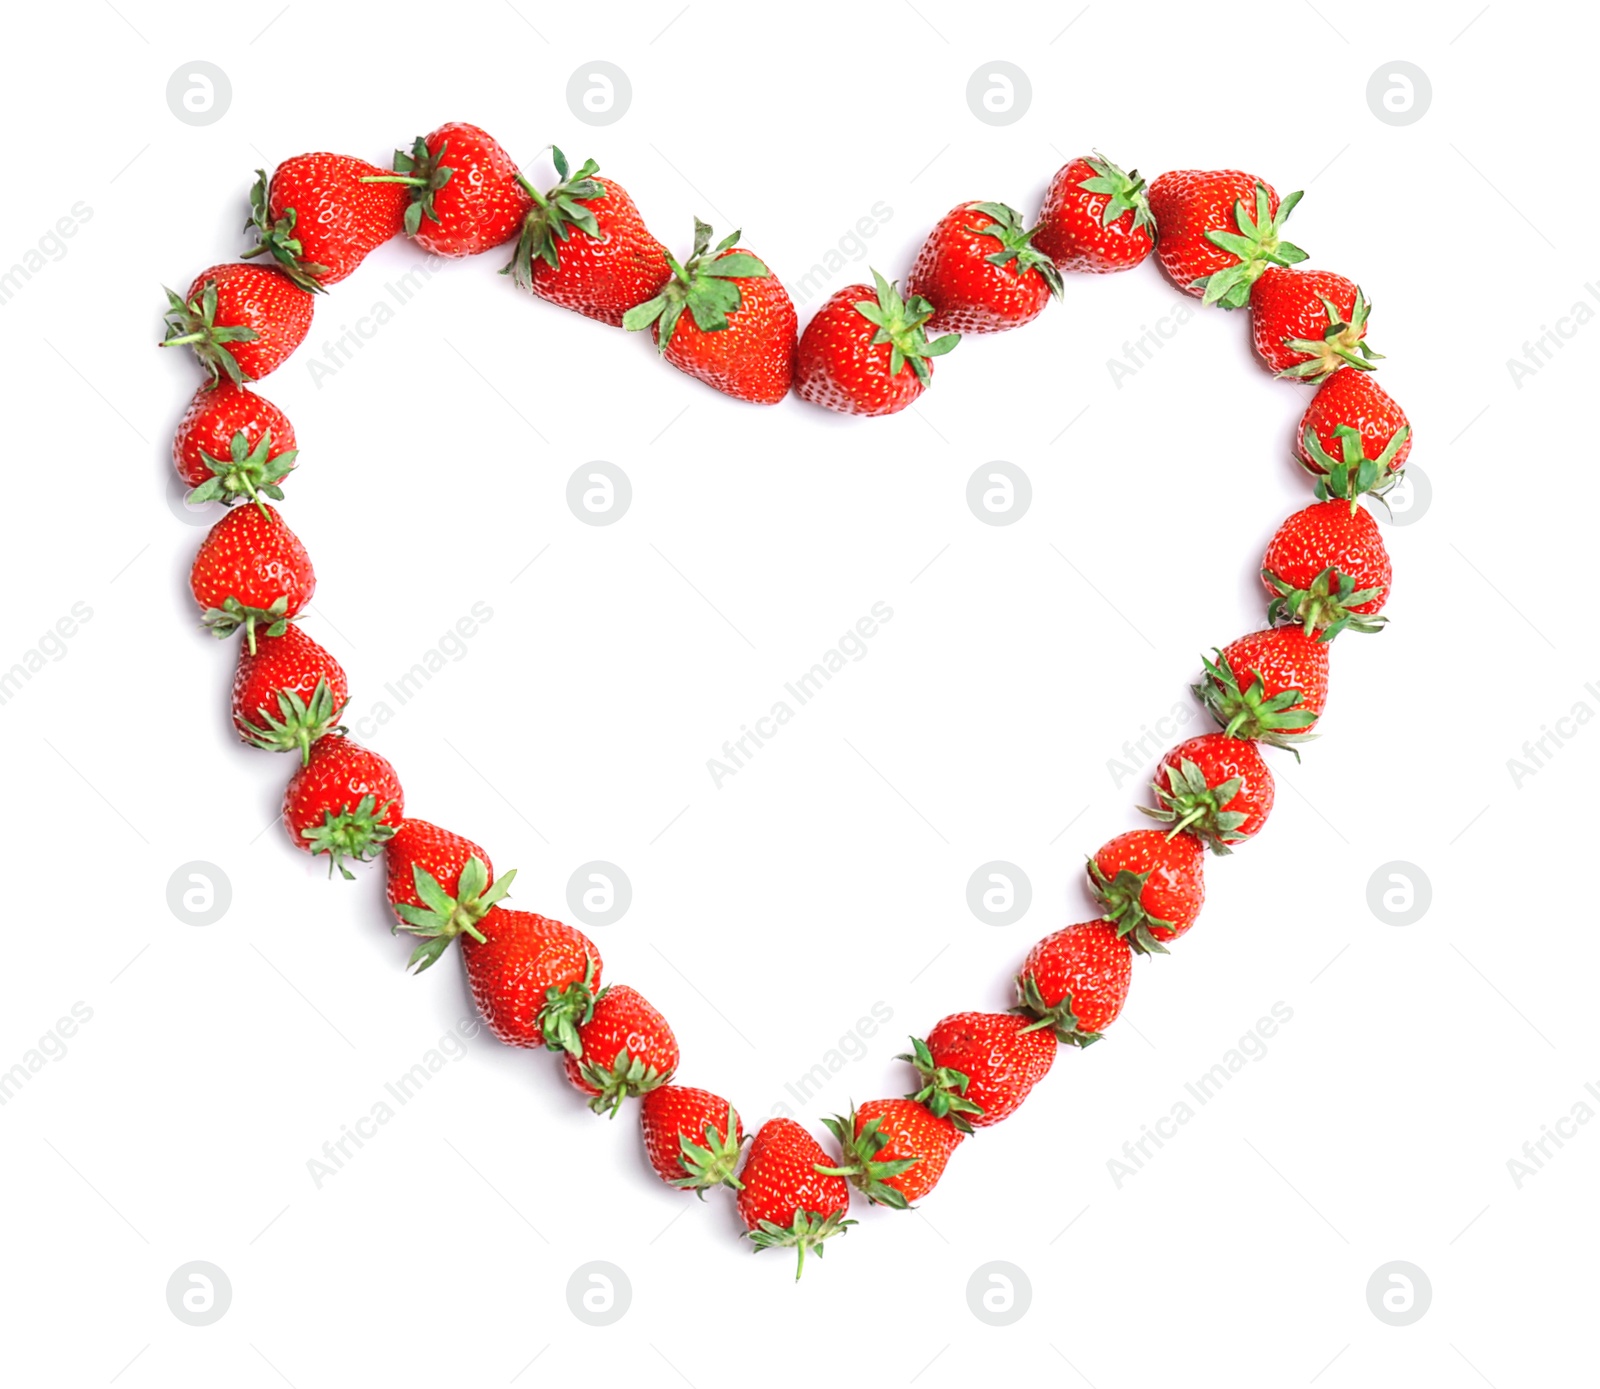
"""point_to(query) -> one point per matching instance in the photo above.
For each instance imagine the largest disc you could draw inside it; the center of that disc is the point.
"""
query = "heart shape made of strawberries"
(720, 314)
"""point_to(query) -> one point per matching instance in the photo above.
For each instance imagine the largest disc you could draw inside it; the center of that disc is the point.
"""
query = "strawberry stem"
(1256, 246)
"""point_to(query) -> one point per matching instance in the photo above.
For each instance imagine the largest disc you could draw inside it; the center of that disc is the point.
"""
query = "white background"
(830, 874)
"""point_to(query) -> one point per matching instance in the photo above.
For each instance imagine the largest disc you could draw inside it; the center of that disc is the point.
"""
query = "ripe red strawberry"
(739, 332)
(584, 246)
(534, 980)
(1327, 569)
(787, 1200)
(321, 216)
(1151, 886)
(466, 193)
(981, 272)
(1353, 437)
(1309, 324)
(1095, 218)
(345, 802)
(692, 1137)
(977, 1068)
(439, 886)
(893, 1151)
(1075, 982)
(242, 320)
(251, 571)
(1270, 686)
(1216, 787)
(232, 445)
(287, 693)
(865, 352)
(626, 1049)
(1210, 242)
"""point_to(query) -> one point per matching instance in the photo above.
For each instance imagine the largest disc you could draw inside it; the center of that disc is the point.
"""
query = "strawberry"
(1151, 885)
(1209, 242)
(1075, 982)
(1270, 686)
(788, 1201)
(692, 1137)
(439, 886)
(893, 1151)
(466, 193)
(626, 1049)
(345, 802)
(251, 570)
(977, 1068)
(1216, 787)
(232, 445)
(320, 216)
(1309, 324)
(739, 335)
(534, 980)
(242, 320)
(1327, 569)
(287, 693)
(1353, 437)
(865, 352)
(1095, 218)
(981, 273)
(584, 246)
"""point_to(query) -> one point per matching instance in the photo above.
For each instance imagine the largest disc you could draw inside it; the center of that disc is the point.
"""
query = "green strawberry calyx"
(276, 235)
(1057, 1017)
(1245, 710)
(1122, 896)
(357, 832)
(193, 323)
(424, 173)
(807, 1231)
(1256, 243)
(705, 286)
(1016, 244)
(1190, 805)
(626, 1078)
(899, 323)
(224, 621)
(249, 471)
(1323, 608)
(298, 723)
(441, 917)
(567, 1007)
(867, 1172)
(1124, 192)
(944, 1089)
(1342, 344)
(1351, 474)
(554, 216)
(712, 1162)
